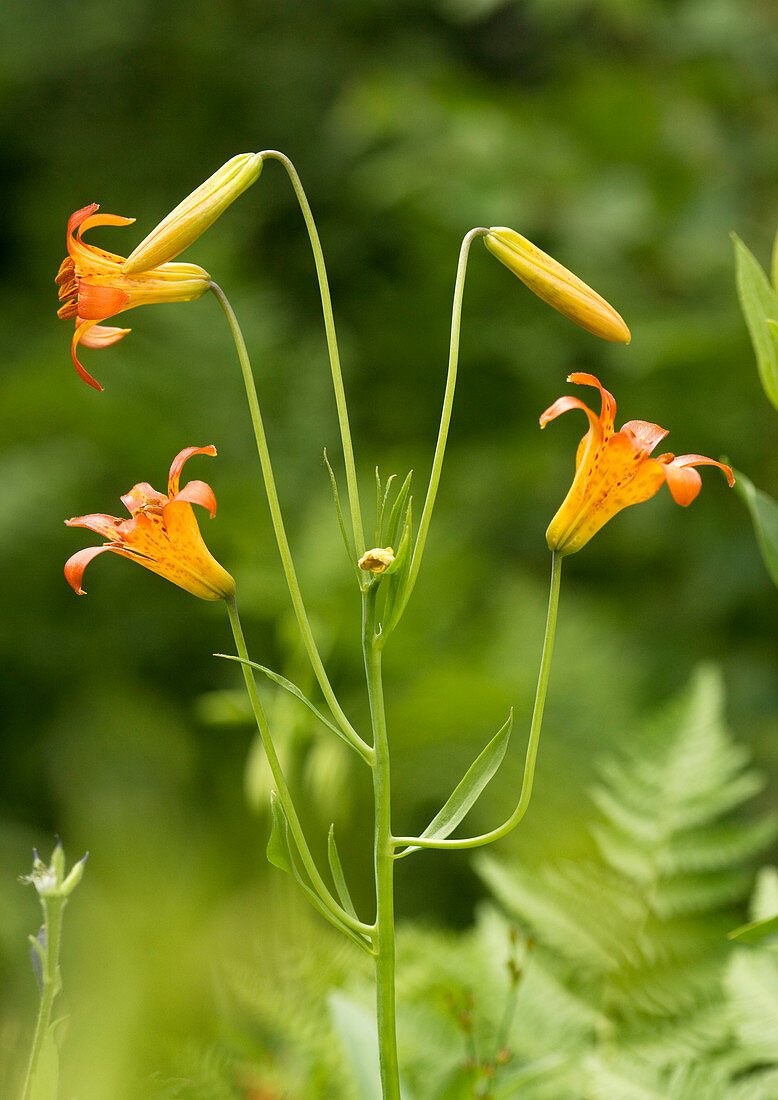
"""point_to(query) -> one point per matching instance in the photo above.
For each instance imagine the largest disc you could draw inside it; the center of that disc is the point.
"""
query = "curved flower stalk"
(162, 535)
(93, 285)
(615, 470)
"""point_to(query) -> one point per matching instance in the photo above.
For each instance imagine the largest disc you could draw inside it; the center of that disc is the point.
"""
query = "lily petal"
(75, 566)
(177, 465)
(197, 492)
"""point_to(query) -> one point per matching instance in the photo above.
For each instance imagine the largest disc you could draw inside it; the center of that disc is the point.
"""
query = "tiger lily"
(162, 535)
(93, 285)
(613, 470)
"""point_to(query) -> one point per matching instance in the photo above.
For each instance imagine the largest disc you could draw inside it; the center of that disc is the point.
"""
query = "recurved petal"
(75, 566)
(78, 336)
(177, 465)
(683, 480)
(107, 526)
(197, 492)
(607, 400)
(91, 220)
(701, 460)
(79, 216)
(102, 336)
(647, 436)
(564, 404)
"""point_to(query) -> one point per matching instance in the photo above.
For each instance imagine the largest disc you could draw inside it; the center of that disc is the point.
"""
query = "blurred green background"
(628, 138)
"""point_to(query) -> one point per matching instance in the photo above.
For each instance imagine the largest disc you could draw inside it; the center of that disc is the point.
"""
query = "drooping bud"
(556, 285)
(195, 214)
(377, 560)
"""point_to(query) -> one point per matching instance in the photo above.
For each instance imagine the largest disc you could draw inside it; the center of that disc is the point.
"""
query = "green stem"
(280, 531)
(383, 851)
(330, 906)
(445, 415)
(51, 980)
(332, 345)
(534, 735)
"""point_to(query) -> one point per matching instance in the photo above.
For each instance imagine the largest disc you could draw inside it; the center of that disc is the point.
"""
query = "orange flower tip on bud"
(556, 285)
(195, 214)
(377, 560)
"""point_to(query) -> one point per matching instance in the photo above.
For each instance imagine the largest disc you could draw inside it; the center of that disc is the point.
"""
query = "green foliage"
(639, 933)
(760, 308)
(470, 787)
(609, 978)
(764, 516)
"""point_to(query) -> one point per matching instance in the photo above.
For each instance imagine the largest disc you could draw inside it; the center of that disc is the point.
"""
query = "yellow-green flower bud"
(377, 560)
(556, 285)
(195, 214)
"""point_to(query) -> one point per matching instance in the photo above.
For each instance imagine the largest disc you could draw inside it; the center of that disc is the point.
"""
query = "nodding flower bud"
(377, 560)
(196, 213)
(556, 285)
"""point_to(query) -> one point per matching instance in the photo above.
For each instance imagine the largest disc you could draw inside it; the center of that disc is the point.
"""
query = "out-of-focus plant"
(54, 887)
(613, 470)
(758, 296)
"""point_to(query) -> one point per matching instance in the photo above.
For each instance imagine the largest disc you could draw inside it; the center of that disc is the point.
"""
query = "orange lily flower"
(614, 470)
(93, 286)
(162, 535)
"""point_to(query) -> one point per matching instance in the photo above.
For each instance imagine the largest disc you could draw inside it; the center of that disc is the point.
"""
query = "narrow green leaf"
(755, 930)
(759, 305)
(764, 515)
(469, 788)
(381, 499)
(350, 554)
(397, 513)
(399, 571)
(282, 855)
(337, 875)
(775, 264)
(287, 685)
(278, 850)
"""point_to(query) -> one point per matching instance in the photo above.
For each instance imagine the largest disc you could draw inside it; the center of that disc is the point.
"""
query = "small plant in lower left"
(54, 888)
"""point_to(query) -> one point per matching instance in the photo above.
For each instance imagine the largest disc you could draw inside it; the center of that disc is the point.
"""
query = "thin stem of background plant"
(332, 345)
(383, 853)
(280, 531)
(51, 983)
(532, 743)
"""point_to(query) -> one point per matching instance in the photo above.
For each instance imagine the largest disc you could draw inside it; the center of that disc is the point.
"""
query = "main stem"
(51, 981)
(280, 530)
(383, 850)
